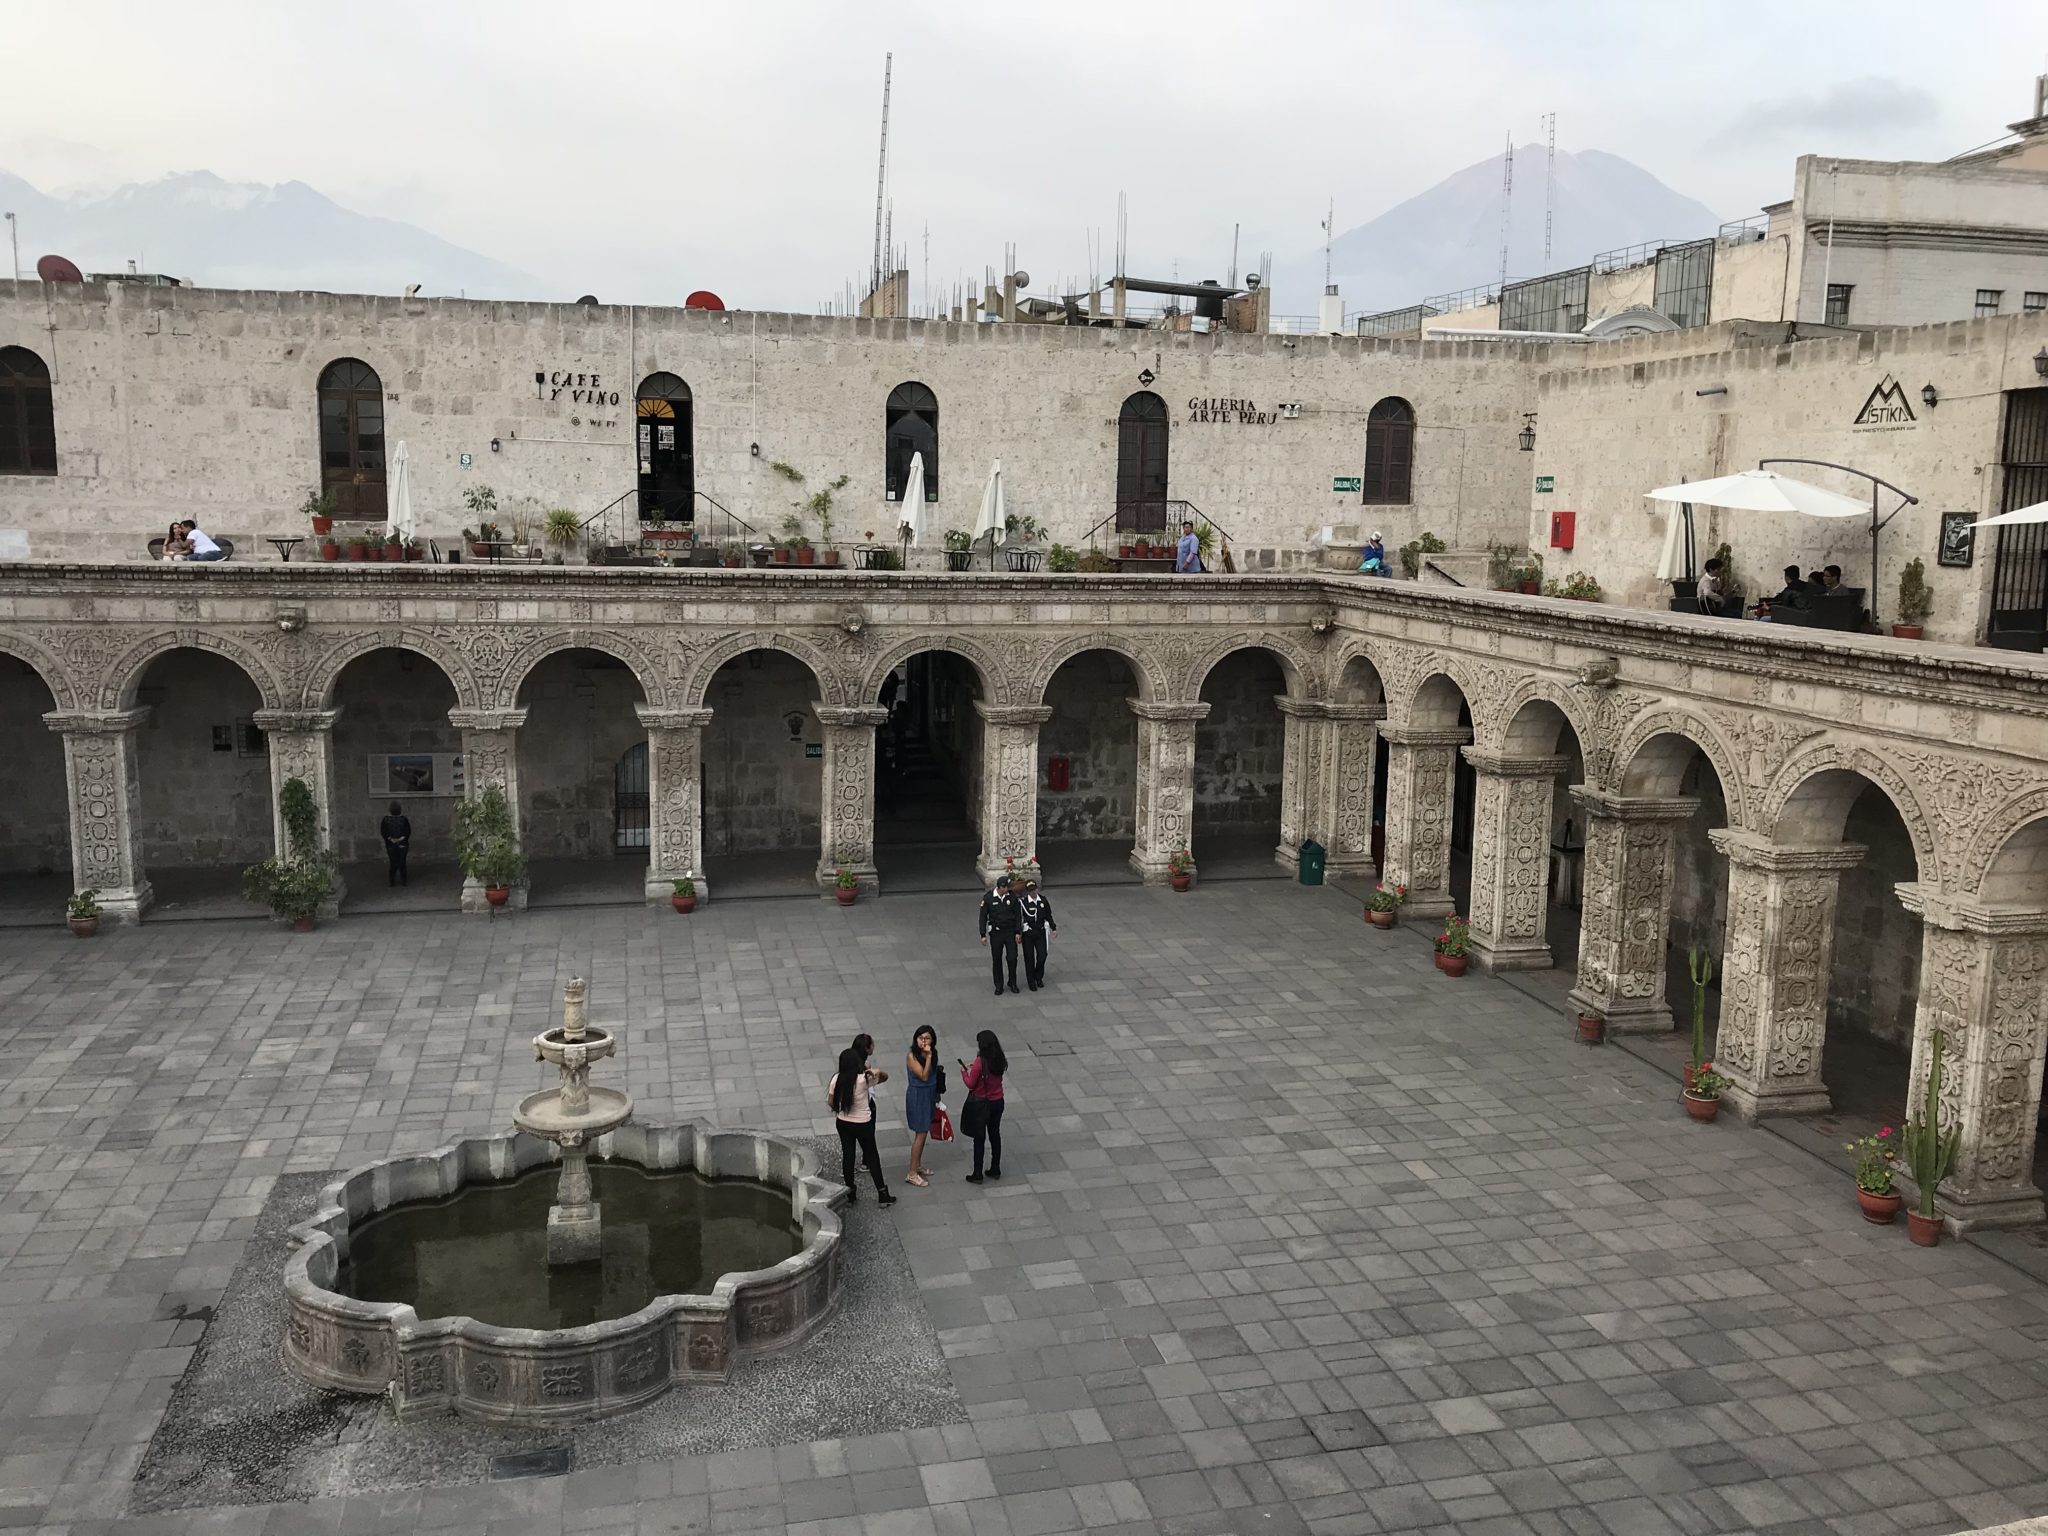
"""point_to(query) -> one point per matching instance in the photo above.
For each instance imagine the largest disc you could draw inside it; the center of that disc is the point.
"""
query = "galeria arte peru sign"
(1229, 413)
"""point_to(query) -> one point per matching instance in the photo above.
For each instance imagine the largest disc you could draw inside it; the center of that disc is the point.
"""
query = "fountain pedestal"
(571, 1116)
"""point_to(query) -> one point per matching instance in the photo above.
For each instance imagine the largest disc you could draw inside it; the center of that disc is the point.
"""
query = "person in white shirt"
(1713, 596)
(203, 548)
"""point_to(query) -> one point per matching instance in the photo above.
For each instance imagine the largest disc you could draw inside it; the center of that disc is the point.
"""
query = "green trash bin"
(1311, 862)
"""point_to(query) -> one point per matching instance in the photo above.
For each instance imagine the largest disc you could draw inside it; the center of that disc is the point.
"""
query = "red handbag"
(942, 1124)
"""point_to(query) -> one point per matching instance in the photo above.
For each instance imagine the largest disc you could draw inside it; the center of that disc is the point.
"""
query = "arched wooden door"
(1141, 440)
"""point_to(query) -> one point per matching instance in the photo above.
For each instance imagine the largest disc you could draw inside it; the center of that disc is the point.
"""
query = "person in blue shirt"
(1373, 559)
(1187, 555)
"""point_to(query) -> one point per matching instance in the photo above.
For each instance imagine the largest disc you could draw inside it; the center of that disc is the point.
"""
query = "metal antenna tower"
(1549, 182)
(1507, 198)
(1329, 234)
(882, 171)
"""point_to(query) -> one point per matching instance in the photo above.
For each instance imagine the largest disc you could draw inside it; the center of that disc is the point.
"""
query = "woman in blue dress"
(920, 1096)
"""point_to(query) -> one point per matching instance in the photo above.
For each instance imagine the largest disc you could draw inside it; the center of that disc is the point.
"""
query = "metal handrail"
(731, 517)
(1464, 298)
(1430, 565)
(1188, 511)
(1639, 254)
(1744, 231)
(609, 506)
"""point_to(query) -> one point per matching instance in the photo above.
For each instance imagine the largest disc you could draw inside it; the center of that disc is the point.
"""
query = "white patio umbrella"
(1764, 490)
(2037, 513)
(992, 517)
(398, 495)
(912, 512)
(1672, 564)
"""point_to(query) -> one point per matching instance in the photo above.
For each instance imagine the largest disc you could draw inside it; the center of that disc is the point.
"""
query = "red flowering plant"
(1456, 935)
(1707, 1083)
(1876, 1157)
(1386, 898)
(1180, 861)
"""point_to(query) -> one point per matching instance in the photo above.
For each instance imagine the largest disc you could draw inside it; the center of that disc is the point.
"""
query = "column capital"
(656, 718)
(296, 719)
(1364, 712)
(1150, 709)
(1301, 709)
(1408, 736)
(487, 719)
(1013, 714)
(95, 722)
(1599, 802)
(1965, 914)
(1507, 766)
(870, 715)
(1749, 851)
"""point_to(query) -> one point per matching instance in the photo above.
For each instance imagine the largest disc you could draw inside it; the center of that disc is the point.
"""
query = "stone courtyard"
(1296, 1234)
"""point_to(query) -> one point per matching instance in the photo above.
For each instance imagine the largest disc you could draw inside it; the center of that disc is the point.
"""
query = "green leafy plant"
(732, 549)
(359, 541)
(1876, 1161)
(1731, 584)
(1577, 585)
(1180, 862)
(84, 903)
(1061, 558)
(1530, 571)
(685, 886)
(480, 499)
(485, 844)
(788, 472)
(1700, 966)
(1205, 541)
(959, 539)
(562, 529)
(845, 879)
(294, 884)
(1095, 562)
(1413, 551)
(1501, 565)
(318, 503)
(1457, 934)
(1930, 1151)
(1387, 898)
(1916, 601)
(1022, 527)
(884, 559)
(1706, 1082)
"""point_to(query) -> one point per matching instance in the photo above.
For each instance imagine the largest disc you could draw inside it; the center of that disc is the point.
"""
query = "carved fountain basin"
(503, 1374)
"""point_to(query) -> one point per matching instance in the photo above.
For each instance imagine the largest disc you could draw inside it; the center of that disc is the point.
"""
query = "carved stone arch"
(55, 675)
(327, 670)
(1304, 677)
(1641, 728)
(1356, 648)
(1527, 690)
(1995, 831)
(704, 666)
(1143, 663)
(124, 676)
(646, 668)
(1402, 669)
(995, 681)
(1838, 756)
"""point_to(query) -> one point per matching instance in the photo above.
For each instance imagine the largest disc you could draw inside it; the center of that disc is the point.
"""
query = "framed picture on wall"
(1958, 539)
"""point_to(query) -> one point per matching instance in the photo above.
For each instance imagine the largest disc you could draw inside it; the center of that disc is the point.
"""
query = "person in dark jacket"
(1036, 922)
(999, 920)
(396, 830)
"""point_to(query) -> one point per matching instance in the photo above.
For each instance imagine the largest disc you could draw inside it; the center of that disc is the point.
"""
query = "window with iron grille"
(28, 425)
(2035, 302)
(1838, 303)
(1389, 453)
(1988, 300)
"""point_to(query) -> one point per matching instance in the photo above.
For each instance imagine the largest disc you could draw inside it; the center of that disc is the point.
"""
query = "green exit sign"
(1546, 483)
(1347, 483)
(814, 749)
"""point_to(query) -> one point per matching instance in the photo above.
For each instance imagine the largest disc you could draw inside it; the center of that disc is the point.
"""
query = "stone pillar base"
(869, 880)
(127, 906)
(1154, 870)
(1994, 1210)
(473, 898)
(1429, 907)
(1510, 957)
(659, 888)
(1624, 1018)
(1752, 1106)
(575, 1236)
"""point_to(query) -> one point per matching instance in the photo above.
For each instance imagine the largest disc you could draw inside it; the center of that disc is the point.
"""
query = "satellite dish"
(1023, 278)
(57, 269)
(704, 298)
(588, 298)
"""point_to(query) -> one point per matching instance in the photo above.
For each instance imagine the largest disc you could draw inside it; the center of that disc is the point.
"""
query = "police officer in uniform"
(1035, 914)
(999, 921)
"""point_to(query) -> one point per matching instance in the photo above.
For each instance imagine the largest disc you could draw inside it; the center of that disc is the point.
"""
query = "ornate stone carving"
(1418, 851)
(1009, 792)
(438, 646)
(1626, 915)
(106, 806)
(1353, 743)
(1511, 858)
(490, 755)
(301, 746)
(1166, 783)
(848, 804)
(675, 759)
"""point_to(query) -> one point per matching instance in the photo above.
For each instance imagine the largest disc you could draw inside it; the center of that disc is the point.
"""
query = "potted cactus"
(82, 913)
(1916, 602)
(1180, 869)
(1383, 906)
(845, 886)
(1701, 968)
(1452, 944)
(685, 897)
(1930, 1151)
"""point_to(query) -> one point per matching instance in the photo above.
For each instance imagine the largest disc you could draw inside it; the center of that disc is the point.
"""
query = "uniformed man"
(1035, 918)
(999, 921)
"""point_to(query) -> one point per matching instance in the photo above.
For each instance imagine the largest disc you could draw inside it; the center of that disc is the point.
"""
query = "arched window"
(352, 439)
(910, 425)
(1141, 437)
(668, 478)
(1389, 452)
(28, 427)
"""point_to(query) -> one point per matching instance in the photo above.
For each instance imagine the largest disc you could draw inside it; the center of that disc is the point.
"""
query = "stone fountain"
(572, 1115)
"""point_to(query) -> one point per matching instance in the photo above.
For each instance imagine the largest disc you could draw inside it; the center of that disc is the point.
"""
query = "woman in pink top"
(850, 1098)
(983, 1117)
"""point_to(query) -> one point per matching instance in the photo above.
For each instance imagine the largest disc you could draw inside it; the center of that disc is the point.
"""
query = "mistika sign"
(1885, 409)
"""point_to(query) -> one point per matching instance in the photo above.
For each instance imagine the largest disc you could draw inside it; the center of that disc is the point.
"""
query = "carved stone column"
(675, 800)
(1418, 853)
(1774, 976)
(1984, 987)
(301, 746)
(1626, 920)
(1166, 784)
(1304, 772)
(1009, 783)
(1353, 736)
(1511, 859)
(490, 755)
(106, 807)
(847, 803)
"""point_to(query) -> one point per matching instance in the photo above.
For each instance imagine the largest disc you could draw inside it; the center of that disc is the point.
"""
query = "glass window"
(910, 425)
(1988, 300)
(28, 424)
(2036, 302)
(352, 439)
(1685, 282)
(1553, 303)
(1838, 303)
(1389, 453)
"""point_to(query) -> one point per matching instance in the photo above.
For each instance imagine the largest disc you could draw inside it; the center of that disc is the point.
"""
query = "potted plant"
(359, 546)
(685, 897)
(394, 547)
(82, 913)
(1875, 1159)
(1700, 966)
(1592, 1029)
(845, 885)
(1916, 602)
(1703, 1098)
(1451, 957)
(782, 552)
(1095, 562)
(733, 553)
(1061, 558)
(959, 549)
(330, 547)
(1529, 577)
(1383, 906)
(1126, 547)
(415, 550)
(801, 548)
(1412, 554)
(1180, 869)
(486, 845)
(1578, 588)
(1930, 1151)
(295, 884)
(319, 506)
(563, 531)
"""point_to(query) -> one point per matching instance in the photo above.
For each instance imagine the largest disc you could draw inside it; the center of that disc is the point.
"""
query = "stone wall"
(391, 701)
(200, 806)
(35, 823)
(1093, 728)
(1877, 941)
(1240, 749)
(579, 722)
(760, 791)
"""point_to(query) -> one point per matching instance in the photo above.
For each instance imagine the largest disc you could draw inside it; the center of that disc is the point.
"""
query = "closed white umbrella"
(1764, 490)
(992, 517)
(912, 514)
(1672, 564)
(2037, 513)
(398, 494)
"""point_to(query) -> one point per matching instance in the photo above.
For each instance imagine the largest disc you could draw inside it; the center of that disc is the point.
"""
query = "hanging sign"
(1347, 483)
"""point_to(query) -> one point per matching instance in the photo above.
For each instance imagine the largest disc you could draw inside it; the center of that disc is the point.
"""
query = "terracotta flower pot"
(1452, 965)
(303, 924)
(395, 553)
(1701, 1109)
(357, 552)
(323, 524)
(84, 927)
(1924, 1230)
(1180, 880)
(479, 548)
(847, 896)
(1905, 631)
(782, 557)
(329, 550)
(1879, 1208)
(1592, 1028)
(806, 556)
(1379, 919)
(683, 903)
(497, 895)
(1685, 1076)
(732, 563)
(1529, 588)
(831, 557)
(374, 552)
(1123, 551)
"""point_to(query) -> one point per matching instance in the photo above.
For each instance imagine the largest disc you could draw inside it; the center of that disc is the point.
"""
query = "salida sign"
(1885, 409)
(581, 388)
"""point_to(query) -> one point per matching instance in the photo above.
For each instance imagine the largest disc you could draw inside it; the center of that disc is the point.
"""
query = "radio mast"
(1507, 198)
(881, 173)
(1549, 182)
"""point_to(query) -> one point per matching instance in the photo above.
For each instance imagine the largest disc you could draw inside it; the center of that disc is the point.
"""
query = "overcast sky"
(641, 151)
